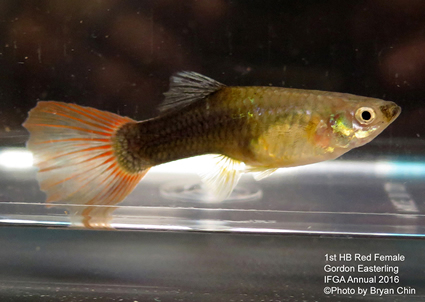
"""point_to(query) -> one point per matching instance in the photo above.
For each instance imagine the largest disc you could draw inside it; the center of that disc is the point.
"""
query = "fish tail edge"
(73, 149)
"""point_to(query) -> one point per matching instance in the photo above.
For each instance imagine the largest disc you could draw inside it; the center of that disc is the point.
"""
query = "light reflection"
(20, 158)
(150, 227)
(291, 231)
(16, 158)
(33, 222)
(403, 169)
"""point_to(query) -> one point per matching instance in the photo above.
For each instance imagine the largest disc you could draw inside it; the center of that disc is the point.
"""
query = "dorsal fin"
(187, 87)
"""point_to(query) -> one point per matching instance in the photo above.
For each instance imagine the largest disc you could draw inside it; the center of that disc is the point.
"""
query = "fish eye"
(365, 115)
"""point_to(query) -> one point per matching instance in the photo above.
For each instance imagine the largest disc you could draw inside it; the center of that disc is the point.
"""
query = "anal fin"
(224, 177)
(261, 172)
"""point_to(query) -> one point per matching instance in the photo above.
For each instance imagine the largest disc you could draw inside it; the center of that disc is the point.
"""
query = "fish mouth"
(391, 111)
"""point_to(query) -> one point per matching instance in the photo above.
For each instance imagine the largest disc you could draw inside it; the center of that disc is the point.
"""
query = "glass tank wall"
(118, 56)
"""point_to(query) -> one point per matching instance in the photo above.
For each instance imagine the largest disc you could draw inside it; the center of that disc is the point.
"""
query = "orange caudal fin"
(73, 148)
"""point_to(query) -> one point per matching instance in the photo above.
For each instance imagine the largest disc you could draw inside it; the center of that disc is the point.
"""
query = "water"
(383, 196)
(118, 56)
(122, 65)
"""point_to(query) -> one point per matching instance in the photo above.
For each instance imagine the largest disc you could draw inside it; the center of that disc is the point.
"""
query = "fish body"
(83, 151)
(264, 127)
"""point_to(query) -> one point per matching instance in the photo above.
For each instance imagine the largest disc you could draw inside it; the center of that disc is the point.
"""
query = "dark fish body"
(210, 125)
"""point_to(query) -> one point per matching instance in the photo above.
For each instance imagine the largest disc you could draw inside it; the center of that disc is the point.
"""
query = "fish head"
(361, 121)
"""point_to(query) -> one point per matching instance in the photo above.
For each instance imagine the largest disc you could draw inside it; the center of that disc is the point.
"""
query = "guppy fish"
(90, 157)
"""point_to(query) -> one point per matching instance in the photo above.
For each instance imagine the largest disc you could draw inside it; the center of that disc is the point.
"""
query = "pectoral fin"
(261, 172)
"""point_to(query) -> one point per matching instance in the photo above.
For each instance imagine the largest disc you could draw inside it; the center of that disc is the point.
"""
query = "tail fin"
(74, 152)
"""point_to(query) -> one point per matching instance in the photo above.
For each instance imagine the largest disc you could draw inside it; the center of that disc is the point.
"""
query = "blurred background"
(118, 55)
